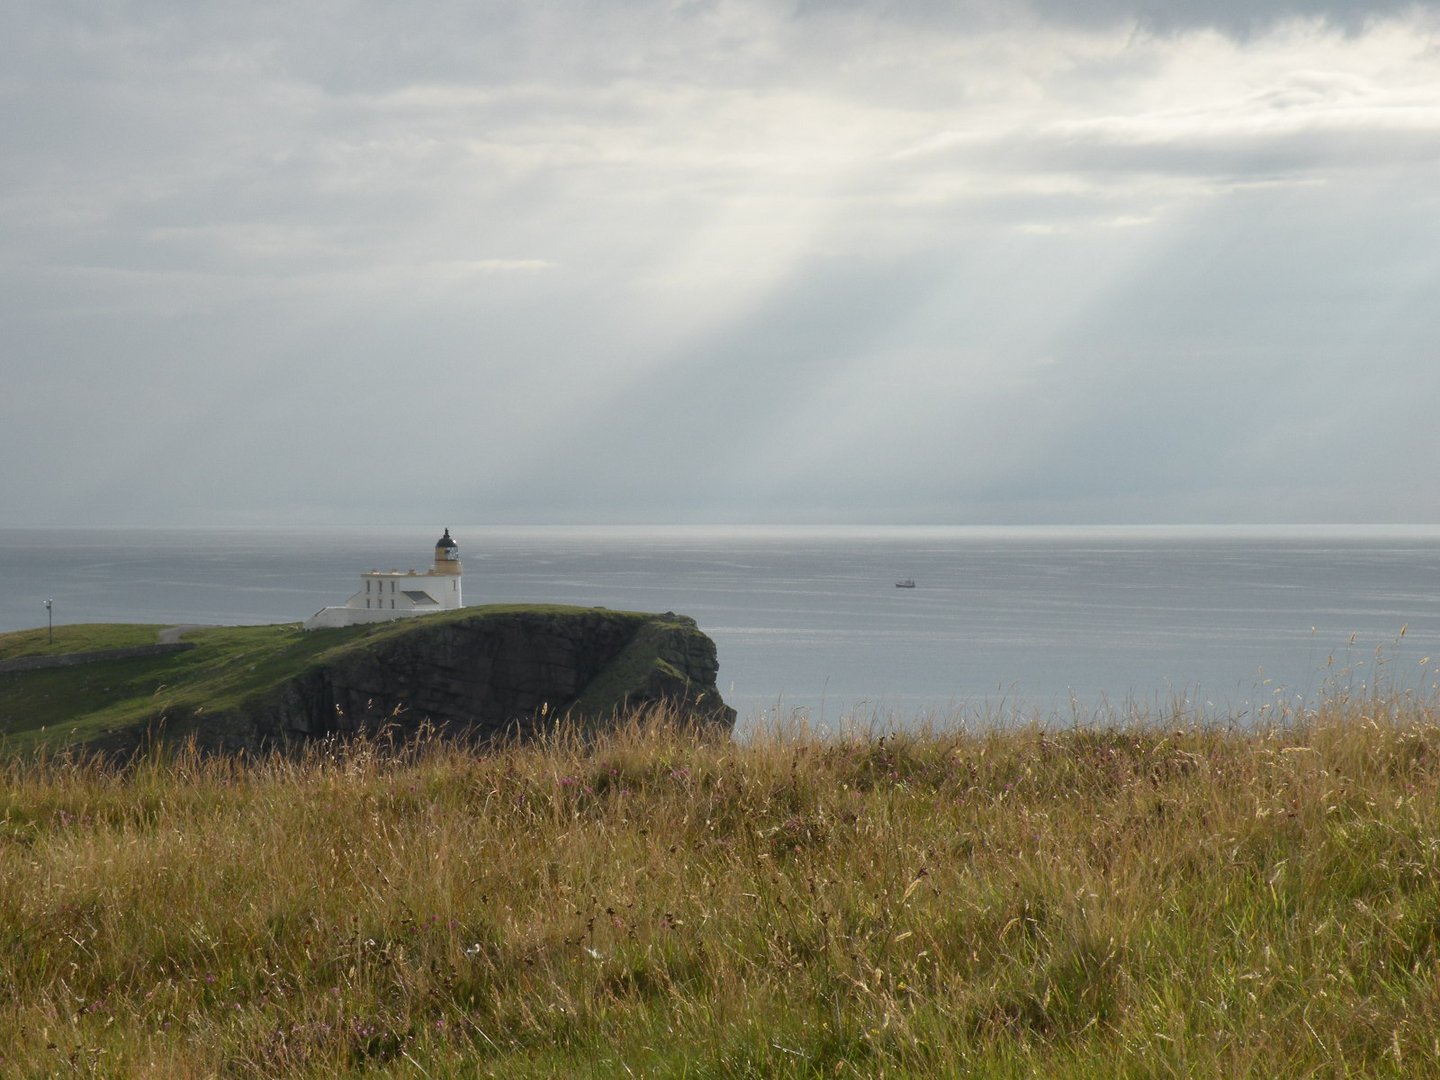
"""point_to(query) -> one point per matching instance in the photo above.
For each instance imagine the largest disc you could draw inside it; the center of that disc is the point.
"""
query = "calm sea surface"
(1000, 620)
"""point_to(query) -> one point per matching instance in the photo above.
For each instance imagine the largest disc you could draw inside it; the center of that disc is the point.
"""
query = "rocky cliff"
(494, 673)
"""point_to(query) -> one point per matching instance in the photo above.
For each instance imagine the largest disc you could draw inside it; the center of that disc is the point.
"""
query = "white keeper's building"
(394, 594)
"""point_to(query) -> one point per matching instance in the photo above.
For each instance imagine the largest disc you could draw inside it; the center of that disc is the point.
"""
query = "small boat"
(905, 583)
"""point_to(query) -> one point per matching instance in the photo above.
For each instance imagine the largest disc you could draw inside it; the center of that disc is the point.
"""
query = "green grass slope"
(74, 703)
(74, 638)
(228, 666)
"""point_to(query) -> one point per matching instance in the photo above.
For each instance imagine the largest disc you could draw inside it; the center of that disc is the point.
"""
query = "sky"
(719, 261)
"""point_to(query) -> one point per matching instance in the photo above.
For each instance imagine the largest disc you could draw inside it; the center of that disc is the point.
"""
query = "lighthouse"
(397, 594)
(447, 564)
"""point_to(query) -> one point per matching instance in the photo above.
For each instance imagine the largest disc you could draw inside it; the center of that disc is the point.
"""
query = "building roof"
(446, 542)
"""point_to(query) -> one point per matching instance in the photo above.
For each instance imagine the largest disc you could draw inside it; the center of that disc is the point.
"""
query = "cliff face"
(482, 676)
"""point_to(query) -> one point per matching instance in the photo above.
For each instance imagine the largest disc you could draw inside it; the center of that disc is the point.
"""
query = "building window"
(392, 589)
(367, 601)
(392, 605)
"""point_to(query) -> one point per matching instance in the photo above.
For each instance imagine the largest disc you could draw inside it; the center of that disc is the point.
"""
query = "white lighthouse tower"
(396, 594)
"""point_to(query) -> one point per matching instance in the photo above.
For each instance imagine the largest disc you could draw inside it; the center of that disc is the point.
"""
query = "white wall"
(445, 588)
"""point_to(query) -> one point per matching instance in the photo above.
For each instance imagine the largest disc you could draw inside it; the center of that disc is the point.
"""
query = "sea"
(1003, 625)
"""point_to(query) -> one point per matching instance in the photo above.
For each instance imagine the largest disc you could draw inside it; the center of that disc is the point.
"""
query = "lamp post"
(50, 619)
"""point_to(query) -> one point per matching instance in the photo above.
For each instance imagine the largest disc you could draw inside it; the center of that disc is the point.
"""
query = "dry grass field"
(1157, 898)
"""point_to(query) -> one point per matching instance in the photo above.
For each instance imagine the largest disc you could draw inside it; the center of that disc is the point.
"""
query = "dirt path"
(171, 634)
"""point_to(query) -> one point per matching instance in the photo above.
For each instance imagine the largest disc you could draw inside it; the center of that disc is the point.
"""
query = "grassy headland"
(227, 666)
(1159, 899)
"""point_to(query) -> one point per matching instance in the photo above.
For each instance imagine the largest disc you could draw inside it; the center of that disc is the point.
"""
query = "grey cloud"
(1232, 157)
(1241, 19)
(1238, 18)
